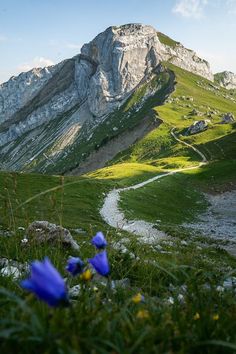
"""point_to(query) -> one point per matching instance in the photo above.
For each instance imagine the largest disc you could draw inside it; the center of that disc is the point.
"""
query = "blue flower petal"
(75, 265)
(99, 241)
(100, 263)
(46, 283)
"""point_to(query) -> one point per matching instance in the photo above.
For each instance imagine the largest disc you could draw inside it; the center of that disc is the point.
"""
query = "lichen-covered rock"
(41, 232)
(228, 118)
(198, 126)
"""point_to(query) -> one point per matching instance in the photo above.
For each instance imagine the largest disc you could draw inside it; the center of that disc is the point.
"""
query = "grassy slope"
(101, 326)
(124, 118)
(159, 149)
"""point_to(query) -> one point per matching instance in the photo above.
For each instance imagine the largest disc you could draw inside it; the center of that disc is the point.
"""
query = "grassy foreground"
(187, 282)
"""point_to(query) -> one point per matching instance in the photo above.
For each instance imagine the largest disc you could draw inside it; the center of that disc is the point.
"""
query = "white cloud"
(190, 8)
(37, 62)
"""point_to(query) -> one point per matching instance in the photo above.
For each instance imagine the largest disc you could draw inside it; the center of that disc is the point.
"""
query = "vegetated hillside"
(177, 199)
(187, 280)
(53, 119)
(157, 152)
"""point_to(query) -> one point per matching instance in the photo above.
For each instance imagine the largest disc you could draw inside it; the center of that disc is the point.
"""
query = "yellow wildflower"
(196, 316)
(137, 298)
(142, 314)
(87, 275)
(216, 317)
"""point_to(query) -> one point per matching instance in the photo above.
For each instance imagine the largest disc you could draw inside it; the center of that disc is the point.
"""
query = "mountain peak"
(91, 85)
(226, 79)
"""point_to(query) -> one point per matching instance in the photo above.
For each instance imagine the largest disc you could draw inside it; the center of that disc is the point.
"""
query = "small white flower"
(220, 289)
(170, 300)
(181, 298)
(24, 240)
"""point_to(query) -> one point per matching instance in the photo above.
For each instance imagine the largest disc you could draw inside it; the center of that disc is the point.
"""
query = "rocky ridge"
(226, 79)
(83, 91)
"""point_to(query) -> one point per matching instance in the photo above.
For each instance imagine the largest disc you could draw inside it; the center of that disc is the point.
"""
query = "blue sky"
(43, 32)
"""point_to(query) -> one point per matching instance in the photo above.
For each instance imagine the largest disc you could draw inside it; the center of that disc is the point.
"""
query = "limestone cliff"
(82, 91)
(226, 79)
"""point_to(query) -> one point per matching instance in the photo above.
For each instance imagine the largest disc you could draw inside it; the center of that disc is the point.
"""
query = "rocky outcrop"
(41, 232)
(82, 90)
(125, 55)
(198, 126)
(16, 92)
(187, 59)
(228, 118)
(226, 79)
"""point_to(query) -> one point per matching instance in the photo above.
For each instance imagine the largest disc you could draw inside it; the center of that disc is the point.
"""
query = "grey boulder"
(42, 232)
(228, 118)
(198, 126)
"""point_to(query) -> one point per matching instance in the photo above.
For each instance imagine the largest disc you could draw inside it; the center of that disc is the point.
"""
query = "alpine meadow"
(118, 199)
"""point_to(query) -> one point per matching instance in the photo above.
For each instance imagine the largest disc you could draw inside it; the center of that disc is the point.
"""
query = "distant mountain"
(226, 79)
(53, 119)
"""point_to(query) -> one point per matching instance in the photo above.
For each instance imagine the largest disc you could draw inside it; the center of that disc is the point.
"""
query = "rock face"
(81, 91)
(41, 232)
(228, 118)
(16, 92)
(226, 79)
(198, 126)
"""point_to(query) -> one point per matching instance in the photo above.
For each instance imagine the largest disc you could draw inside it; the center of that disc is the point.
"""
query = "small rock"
(230, 283)
(121, 283)
(195, 112)
(170, 300)
(180, 298)
(189, 98)
(220, 289)
(10, 271)
(74, 291)
(4, 262)
(24, 241)
(184, 243)
(79, 231)
(228, 118)
(198, 126)
(45, 232)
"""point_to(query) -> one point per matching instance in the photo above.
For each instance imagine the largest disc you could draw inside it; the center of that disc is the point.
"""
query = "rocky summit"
(47, 114)
(226, 79)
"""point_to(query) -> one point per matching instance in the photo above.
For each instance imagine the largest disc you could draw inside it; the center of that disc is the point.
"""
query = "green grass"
(166, 40)
(176, 199)
(124, 118)
(102, 321)
(72, 202)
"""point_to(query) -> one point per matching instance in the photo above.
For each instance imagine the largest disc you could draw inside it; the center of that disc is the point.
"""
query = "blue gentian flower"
(100, 263)
(99, 241)
(46, 283)
(75, 265)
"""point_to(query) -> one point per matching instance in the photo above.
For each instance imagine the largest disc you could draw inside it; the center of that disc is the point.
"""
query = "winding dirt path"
(114, 217)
